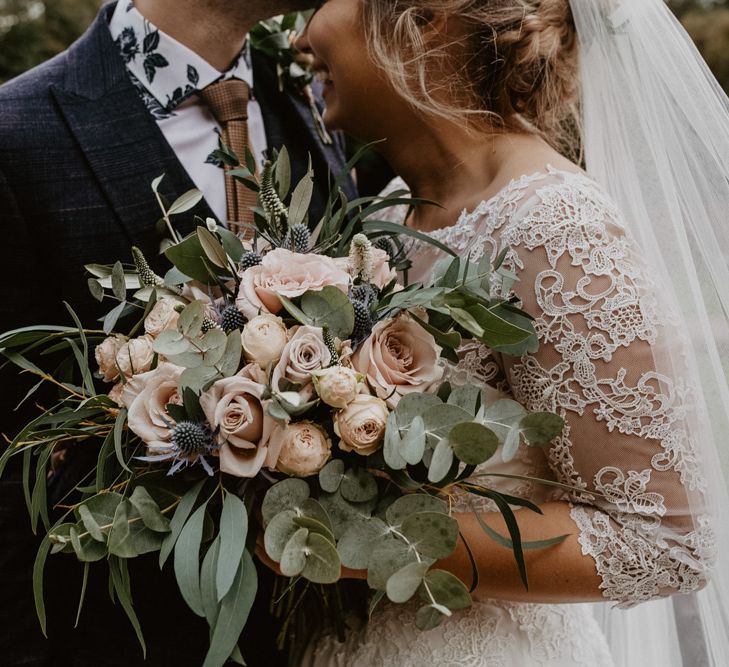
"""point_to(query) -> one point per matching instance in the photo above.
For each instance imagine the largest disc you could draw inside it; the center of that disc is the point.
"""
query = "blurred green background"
(32, 31)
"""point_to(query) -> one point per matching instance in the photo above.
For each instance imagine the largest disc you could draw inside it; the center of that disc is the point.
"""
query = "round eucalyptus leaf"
(330, 476)
(411, 503)
(415, 405)
(427, 618)
(447, 589)
(501, 416)
(342, 513)
(332, 308)
(440, 418)
(441, 461)
(313, 509)
(434, 533)
(286, 495)
(170, 343)
(293, 558)
(541, 428)
(393, 444)
(402, 585)
(466, 397)
(278, 532)
(355, 546)
(413, 443)
(473, 443)
(358, 485)
(322, 561)
(389, 555)
(315, 526)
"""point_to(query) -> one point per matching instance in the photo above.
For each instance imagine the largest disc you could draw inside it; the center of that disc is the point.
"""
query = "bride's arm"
(640, 529)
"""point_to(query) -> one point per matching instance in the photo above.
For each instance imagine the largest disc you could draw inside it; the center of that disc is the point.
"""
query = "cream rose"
(136, 356)
(236, 413)
(304, 448)
(305, 353)
(287, 273)
(337, 386)
(264, 339)
(398, 358)
(361, 425)
(105, 354)
(147, 397)
(162, 317)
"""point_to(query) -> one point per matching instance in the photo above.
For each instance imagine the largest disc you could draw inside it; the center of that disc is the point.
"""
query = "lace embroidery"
(593, 302)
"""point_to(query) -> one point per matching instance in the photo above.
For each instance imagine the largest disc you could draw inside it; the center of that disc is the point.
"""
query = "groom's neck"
(214, 29)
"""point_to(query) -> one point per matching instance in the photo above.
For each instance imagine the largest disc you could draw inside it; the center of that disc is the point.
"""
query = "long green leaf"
(121, 419)
(187, 502)
(187, 561)
(515, 533)
(373, 226)
(119, 572)
(38, 569)
(82, 596)
(233, 533)
(234, 610)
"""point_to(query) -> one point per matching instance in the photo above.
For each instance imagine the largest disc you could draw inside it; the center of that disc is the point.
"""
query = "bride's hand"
(271, 564)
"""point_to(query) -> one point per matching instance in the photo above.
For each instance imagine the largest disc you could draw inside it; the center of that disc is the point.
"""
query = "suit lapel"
(120, 139)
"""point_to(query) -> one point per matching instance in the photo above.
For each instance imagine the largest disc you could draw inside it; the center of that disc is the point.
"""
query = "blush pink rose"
(236, 412)
(305, 353)
(287, 273)
(147, 396)
(398, 358)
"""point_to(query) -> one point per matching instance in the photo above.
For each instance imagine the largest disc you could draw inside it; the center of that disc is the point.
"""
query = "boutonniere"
(275, 37)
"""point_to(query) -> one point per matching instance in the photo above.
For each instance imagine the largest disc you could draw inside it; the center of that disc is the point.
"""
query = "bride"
(621, 266)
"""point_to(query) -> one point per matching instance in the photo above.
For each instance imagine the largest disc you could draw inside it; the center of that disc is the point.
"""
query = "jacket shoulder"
(34, 85)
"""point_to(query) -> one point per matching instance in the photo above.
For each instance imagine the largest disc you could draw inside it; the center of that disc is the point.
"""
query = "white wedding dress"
(601, 326)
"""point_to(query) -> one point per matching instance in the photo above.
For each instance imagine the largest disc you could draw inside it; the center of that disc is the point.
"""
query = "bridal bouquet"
(288, 384)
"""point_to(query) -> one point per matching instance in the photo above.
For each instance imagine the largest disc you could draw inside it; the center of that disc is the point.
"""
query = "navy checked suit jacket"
(78, 152)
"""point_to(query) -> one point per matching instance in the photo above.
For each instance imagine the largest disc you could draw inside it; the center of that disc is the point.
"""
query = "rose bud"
(105, 354)
(305, 448)
(264, 339)
(162, 317)
(361, 425)
(337, 386)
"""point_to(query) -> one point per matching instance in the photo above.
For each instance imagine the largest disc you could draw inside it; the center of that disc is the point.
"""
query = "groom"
(81, 139)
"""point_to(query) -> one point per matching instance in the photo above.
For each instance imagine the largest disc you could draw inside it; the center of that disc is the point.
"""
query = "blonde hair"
(514, 65)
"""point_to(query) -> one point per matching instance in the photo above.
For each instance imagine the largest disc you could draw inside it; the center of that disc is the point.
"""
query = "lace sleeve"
(626, 444)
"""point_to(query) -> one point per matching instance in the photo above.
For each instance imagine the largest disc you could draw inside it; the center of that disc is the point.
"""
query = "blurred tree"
(32, 31)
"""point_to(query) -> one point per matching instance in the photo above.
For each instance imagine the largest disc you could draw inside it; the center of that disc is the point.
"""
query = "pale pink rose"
(337, 386)
(162, 317)
(289, 274)
(304, 448)
(116, 394)
(147, 397)
(361, 425)
(136, 356)
(105, 354)
(235, 411)
(264, 338)
(399, 357)
(305, 353)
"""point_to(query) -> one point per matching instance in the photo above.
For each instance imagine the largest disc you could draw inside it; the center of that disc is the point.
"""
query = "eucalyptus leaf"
(149, 511)
(118, 284)
(278, 532)
(212, 248)
(234, 610)
(330, 476)
(185, 202)
(428, 618)
(447, 589)
(293, 558)
(466, 397)
(179, 519)
(301, 198)
(392, 446)
(355, 545)
(415, 405)
(412, 503)
(208, 590)
(413, 443)
(288, 494)
(322, 560)
(434, 533)
(402, 585)
(233, 533)
(473, 443)
(540, 428)
(358, 485)
(388, 556)
(187, 561)
(441, 461)
(329, 307)
(190, 322)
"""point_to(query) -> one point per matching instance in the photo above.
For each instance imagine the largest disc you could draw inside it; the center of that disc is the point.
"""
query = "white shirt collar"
(168, 70)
